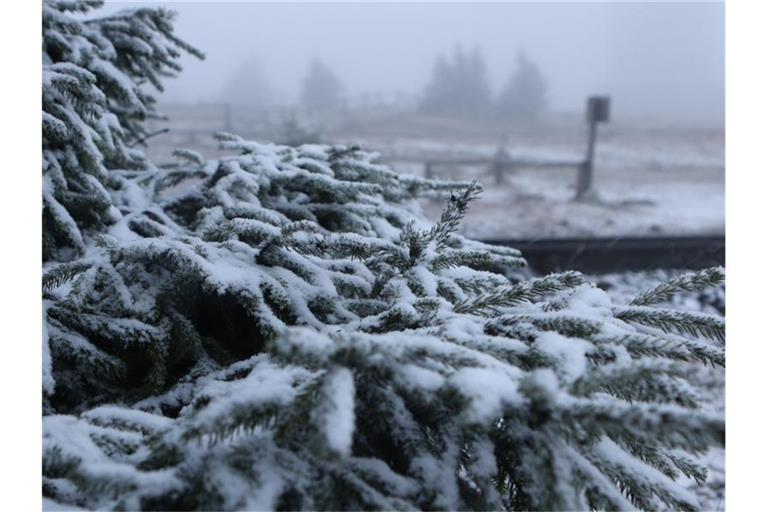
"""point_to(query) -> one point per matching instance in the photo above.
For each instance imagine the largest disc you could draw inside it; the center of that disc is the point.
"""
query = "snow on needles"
(282, 328)
(338, 421)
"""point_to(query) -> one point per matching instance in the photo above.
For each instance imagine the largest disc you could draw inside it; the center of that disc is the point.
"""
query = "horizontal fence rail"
(604, 255)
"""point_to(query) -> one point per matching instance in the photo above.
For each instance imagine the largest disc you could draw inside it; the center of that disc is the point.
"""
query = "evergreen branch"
(652, 455)
(148, 136)
(106, 242)
(450, 258)
(689, 467)
(565, 324)
(241, 419)
(60, 274)
(649, 380)
(520, 292)
(481, 283)
(188, 155)
(690, 282)
(706, 353)
(641, 345)
(669, 425)
(671, 346)
(670, 320)
(452, 215)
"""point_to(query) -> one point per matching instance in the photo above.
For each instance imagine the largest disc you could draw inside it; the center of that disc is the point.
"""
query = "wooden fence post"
(584, 179)
(598, 111)
(501, 163)
(428, 171)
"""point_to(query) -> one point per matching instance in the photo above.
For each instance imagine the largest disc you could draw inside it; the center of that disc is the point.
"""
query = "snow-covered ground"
(541, 206)
(641, 189)
(649, 180)
(710, 382)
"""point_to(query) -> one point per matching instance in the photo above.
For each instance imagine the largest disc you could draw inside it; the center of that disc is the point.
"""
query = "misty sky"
(662, 59)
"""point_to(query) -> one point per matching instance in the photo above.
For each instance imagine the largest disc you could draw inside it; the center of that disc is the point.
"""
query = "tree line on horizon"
(459, 87)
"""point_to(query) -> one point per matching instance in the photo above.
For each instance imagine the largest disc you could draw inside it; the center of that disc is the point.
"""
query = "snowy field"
(649, 180)
(643, 188)
(709, 381)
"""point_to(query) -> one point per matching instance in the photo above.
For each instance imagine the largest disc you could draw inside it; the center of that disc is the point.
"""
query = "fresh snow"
(299, 243)
(488, 391)
(339, 419)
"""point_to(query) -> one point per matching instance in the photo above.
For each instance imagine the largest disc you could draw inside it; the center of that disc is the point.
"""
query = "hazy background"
(663, 59)
(463, 83)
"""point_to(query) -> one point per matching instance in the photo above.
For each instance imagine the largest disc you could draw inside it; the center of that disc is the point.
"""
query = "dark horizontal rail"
(543, 164)
(602, 255)
(512, 163)
(456, 161)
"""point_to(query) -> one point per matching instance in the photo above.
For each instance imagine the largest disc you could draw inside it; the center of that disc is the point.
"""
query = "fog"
(657, 60)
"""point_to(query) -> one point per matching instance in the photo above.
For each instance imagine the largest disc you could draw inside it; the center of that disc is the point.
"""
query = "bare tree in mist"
(248, 86)
(459, 86)
(322, 89)
(525, 95)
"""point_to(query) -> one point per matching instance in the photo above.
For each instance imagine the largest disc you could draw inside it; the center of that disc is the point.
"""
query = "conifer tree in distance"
(524, 97)
(249, 86)
(321, 89)
(459, 86)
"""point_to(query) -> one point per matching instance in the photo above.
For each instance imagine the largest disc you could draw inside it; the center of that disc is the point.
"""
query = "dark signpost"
(598, 111)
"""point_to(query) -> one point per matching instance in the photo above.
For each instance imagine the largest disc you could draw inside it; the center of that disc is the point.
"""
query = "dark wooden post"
(500, 164)
(428, 171)
(598, 111)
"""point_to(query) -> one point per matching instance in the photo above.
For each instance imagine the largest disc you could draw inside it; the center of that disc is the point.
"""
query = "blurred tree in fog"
(322, 90)
(525, 95)
(459, 86)
(248, 86)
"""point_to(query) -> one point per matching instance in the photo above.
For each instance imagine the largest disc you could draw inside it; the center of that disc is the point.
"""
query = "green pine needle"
(520, 292)
(690, 282)
(670, 320)
(62, 274)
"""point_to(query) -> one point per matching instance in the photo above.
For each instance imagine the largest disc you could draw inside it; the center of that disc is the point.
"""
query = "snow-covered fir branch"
(282, 328)
(94, 107)
(689, 282)
(303, 347)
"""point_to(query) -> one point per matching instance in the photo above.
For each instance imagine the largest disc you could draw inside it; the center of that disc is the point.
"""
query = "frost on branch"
(94, 106)
(282, 328)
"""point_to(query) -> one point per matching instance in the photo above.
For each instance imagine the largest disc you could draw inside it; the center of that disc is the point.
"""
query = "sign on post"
(598, 109)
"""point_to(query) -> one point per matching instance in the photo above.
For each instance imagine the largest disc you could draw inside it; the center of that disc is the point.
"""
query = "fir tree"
(525, 95)
(283, 329)
(459, 87)
(249, 86)
(321, 89)
(289, 332)
(94, 105)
